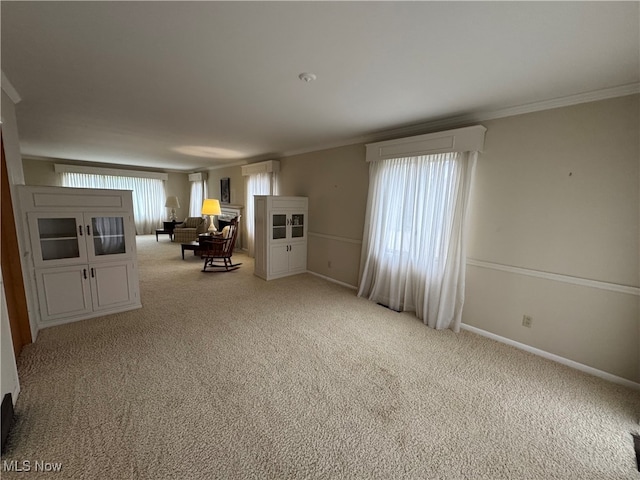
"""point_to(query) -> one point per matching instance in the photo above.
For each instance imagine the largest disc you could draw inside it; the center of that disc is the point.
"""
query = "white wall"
(558, 191)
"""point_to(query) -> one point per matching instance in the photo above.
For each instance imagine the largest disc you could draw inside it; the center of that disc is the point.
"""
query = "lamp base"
(172, 215)
(212, 226)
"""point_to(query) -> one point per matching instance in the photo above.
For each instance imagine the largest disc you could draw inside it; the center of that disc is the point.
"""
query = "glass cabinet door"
(57, 239)
(297, 225)
(107, 234)
(278, 226)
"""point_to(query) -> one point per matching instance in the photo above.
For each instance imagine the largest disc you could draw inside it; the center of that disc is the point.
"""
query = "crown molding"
(9, 89)
(475, 117)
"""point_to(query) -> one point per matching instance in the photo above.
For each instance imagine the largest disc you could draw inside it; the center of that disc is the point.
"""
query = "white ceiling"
(137, 83)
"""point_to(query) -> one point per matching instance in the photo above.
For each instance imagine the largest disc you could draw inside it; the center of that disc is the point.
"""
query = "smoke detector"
(307, 77)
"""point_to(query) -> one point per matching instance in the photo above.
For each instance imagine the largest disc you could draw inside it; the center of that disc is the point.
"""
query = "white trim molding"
(468, 139)
(60, 168)
(556, 358)
(584, 282)
(270, 166)
(336, 238)
(333, 280)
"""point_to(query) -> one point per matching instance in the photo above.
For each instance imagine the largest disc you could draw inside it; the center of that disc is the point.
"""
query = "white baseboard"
(333, 280)
(555, 358)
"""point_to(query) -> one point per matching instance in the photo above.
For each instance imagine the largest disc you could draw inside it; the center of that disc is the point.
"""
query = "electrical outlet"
(527, 321)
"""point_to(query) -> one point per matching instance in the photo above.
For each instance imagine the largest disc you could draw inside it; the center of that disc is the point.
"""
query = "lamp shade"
(172, 202)
(211, 206)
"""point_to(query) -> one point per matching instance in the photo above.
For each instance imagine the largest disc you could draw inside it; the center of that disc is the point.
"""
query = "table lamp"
(211, 207)
(172, 203)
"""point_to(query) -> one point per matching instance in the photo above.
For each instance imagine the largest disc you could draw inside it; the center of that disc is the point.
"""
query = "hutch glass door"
(279, 226)
(107, 234)
(297, 225)
(58, 239)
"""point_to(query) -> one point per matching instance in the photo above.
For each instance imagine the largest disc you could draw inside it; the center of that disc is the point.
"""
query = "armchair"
(189, 230)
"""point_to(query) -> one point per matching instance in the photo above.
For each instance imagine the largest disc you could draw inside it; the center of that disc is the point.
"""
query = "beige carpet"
(228, 376)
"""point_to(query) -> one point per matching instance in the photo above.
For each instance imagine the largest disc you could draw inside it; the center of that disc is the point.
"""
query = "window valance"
(467, 139)
(270, 166)
(116, 172)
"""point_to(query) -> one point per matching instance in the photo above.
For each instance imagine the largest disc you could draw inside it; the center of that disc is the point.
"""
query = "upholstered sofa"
(189, 230)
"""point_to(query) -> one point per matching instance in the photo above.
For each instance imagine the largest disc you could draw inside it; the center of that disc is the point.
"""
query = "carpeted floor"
(224, 375)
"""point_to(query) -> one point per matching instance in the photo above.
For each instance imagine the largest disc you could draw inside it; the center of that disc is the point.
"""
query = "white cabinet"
(280, 236)
(83, 252)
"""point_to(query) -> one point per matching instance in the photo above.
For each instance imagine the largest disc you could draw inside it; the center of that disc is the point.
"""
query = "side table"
(167, 228)
(194, 246)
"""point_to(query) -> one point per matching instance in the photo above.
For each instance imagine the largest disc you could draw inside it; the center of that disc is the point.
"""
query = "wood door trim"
(11, 268)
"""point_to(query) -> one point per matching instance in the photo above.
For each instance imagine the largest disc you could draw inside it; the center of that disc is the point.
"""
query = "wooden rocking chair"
(217, 250)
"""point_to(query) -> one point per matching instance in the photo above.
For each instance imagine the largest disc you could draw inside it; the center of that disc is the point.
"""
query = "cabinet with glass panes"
(280, 236)
(83, 242)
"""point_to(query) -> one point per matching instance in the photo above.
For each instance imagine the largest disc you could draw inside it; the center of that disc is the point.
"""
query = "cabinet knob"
(84, 273)
(80, 229)
(88, 230)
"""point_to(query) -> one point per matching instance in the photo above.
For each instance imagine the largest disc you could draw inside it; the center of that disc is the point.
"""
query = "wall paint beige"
(178, 184)
(236, 183)
(336, 182)
(236, 189)
(557, 191)
(40, 172)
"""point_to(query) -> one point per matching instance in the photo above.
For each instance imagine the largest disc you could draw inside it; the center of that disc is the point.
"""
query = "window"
(413, 256)
(261, 179)
(148, 195)
(198, 193)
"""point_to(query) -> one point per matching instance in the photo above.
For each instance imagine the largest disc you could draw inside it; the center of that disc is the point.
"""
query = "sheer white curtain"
(257, 184)
(148, 195)
(413, 254)
(198, 194)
